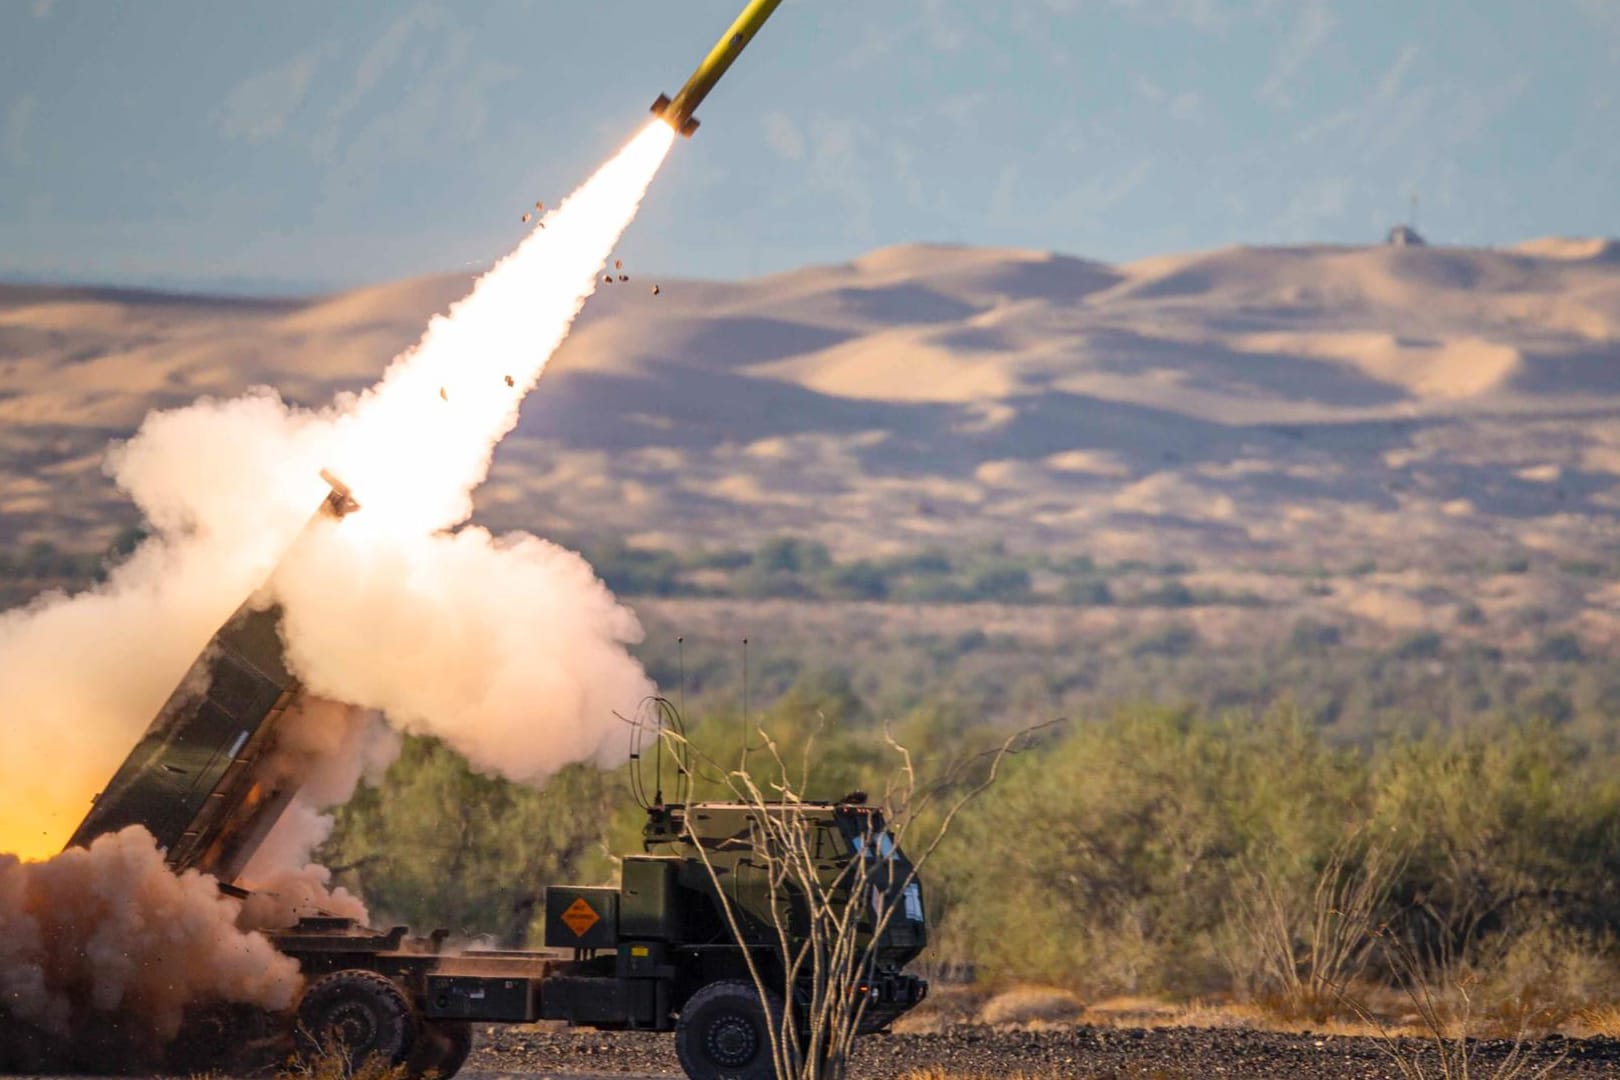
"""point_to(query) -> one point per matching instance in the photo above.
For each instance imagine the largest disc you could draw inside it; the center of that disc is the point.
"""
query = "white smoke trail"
(509, 649)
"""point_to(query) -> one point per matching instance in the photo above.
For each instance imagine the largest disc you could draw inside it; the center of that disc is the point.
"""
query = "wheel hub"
(352, 1026)
(732, 1041)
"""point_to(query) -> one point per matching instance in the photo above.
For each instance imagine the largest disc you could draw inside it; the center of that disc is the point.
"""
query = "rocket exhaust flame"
(414, 457)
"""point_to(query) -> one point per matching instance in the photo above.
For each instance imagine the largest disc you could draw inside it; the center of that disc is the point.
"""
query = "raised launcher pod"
(199, 779)
(677, 112)
(339, 502)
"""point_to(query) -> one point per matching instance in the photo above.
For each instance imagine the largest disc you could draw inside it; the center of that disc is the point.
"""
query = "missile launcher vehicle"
(655, 952)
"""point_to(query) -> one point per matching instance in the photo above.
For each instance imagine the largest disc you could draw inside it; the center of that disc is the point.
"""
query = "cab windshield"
(883, 842)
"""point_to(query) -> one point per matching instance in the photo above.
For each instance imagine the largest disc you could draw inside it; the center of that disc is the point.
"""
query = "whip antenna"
(745, 706)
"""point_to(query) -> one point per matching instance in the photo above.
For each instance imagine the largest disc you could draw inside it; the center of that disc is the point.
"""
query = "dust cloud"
(110, 930)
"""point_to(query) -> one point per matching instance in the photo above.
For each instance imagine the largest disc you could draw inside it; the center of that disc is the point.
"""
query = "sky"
(302, 145)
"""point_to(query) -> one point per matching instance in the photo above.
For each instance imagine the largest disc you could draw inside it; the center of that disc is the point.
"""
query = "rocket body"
(677, 112)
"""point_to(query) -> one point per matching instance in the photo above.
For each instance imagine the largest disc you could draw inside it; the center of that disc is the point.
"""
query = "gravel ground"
(1137, 1053)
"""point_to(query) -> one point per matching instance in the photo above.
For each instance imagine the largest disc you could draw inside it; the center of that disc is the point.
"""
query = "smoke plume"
(508, 648)
(326, 747)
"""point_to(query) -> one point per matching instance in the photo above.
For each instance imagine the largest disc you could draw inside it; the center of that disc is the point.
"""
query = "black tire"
(722, 1034)
(461, 1044)
(230, 1040)
(24, 1049)
(442, 1047)
(359, 1015)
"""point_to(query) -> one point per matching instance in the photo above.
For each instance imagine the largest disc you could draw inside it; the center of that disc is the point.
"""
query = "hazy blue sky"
(307, 142)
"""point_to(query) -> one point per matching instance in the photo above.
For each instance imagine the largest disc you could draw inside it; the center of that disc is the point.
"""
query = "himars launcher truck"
(654, 953)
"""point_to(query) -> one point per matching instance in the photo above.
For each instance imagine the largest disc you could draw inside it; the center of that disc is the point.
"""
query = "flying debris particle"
(655, 290)
(618, 264)
(526, 218)
(509, 381)
(442, 395)
(607, 279)
(538, 205)
(624, 277)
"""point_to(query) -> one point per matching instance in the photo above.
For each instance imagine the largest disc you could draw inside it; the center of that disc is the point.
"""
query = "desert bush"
(636, 571)
(1449, 1046)
(1544, 974)
(1171, 593)
(333, 1064)
(1511, 828)
(1168, 851)
(859, 580)
(1087, 592)
(1311, 635)
(1419, 645)
(1175, 640)
(437, 844)
(1125, 838)
(1563, 648)
(1295, 941)
(1001, 581)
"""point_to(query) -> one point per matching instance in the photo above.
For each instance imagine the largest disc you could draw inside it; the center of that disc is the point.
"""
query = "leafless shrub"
(335, 1062)
(827, 929)
(1448, 1049)
(1301, 948)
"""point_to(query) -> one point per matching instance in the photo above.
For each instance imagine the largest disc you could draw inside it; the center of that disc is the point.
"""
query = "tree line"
(1145, 849)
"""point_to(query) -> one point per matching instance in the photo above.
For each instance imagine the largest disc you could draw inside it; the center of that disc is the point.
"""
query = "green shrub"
(1177, 639)
(1563, 648)
(862, 580)
(1510, 826)
(1124, 839)
(1420, 645)
(1087, 592)
(1309, 635)
(1001, 582)
(789, 555)
(1168, 594)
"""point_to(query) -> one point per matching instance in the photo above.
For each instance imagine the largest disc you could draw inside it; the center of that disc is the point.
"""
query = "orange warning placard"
(580, 917)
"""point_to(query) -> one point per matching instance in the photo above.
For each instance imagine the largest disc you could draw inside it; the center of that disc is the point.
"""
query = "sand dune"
(1252, 403)
(1582, 248)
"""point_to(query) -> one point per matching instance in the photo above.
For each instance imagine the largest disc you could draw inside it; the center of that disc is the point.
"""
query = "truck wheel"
(230, 1040)
(722, 1034)
(441, 1049)
(356, 1014)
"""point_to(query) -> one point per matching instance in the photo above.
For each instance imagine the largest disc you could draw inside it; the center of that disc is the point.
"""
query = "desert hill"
(1250, 405)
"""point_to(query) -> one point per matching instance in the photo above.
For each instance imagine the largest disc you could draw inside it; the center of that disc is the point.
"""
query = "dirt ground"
(1104, 1053)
